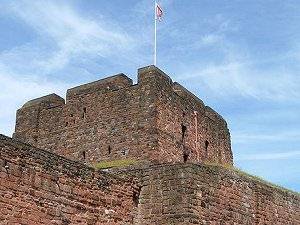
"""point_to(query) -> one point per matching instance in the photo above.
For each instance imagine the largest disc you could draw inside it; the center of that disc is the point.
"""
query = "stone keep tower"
(155, 120)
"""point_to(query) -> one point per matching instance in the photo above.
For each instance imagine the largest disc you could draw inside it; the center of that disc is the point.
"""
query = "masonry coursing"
(47, 174)
(39, 187)
(155, 120)
(209, 194)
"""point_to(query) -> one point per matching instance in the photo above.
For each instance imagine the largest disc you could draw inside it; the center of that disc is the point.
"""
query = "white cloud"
(239, 76)
(270, 156)
(210, 39)
(61, 35)
(231, 69)
(15, 92)
(69, 33)
(286, 135)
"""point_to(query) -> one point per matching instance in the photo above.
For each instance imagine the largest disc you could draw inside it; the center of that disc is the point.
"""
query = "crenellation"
(46, 102)
(147, 119)
(181, 174)
(28, 117)
(152, 73)
(112, 83)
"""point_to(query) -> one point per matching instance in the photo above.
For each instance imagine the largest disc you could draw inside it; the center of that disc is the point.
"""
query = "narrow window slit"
(185, 157)
(185, 151)
(5, 165)
(84, 112)
(206, 147)
(136, 196)
(183, 130)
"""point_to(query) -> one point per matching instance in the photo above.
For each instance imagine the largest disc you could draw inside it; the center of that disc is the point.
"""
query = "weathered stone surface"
(202, 194)
(155, 120)
(39, 187)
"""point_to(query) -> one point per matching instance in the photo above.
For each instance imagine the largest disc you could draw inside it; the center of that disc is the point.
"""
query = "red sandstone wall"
(99, 121)
(178, 108)
(38, 187)
(112, 119)
(227, 197)
(211, 195)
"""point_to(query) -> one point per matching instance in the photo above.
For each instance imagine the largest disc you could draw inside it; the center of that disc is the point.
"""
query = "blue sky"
(241, 57)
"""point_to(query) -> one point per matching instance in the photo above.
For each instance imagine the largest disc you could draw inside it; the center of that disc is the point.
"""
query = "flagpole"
(155, 18)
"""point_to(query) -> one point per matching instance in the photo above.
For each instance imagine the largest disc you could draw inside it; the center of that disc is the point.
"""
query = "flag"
(159, 12)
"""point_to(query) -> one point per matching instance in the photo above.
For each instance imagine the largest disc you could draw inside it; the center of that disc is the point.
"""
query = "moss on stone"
(114, 163)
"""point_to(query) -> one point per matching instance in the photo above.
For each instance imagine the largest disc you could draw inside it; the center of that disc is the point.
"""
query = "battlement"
(156, 120)
(112, 83)
(156, 123)
(152, 72)
(48, 101)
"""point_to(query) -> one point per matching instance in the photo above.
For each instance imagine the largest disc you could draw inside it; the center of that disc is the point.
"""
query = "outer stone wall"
(155, 120)
(199, 194)
(38, 187)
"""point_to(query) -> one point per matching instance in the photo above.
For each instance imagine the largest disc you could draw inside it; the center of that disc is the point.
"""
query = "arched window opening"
(83, 155)
(109, 150)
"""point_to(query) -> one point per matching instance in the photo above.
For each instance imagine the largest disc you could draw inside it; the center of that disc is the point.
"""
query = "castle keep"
(155, 120)
(180, 171)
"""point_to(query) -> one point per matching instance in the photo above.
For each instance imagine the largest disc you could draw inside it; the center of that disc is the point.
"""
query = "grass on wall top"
(114, 163)
(253, 177)
(129, 162)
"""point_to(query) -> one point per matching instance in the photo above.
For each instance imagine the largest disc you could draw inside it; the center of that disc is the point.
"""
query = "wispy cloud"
(63, 39)
(245, 62)
(229, 68)
(15, 92)
(270, 156)
(210, 39)
(238, 75)
(70, 35)
(286, 135)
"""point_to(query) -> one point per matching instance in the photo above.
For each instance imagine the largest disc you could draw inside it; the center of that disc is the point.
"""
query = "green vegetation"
(253, 177)
(114, 163)
(127, 162)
